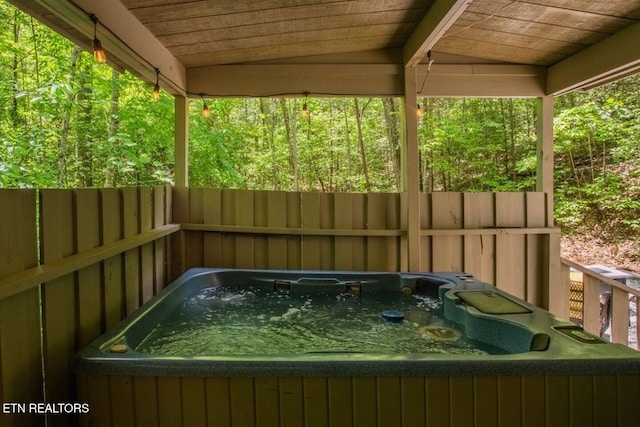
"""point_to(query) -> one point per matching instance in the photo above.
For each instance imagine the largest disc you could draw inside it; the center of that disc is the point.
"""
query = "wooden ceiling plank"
(237, 12)
(309, 38)
(440, 16)
(518, 41)
(291, 50)
(481, 49)
(283, 27)
(534, 29)
(615, 55)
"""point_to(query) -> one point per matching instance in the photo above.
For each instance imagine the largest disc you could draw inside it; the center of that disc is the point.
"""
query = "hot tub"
(265, 347)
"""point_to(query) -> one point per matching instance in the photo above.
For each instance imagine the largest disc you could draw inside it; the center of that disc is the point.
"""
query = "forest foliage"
(68, 122)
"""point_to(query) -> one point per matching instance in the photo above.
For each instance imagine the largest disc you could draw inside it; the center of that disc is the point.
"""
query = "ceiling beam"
(440, 16)
(614, 57)
(122, 36)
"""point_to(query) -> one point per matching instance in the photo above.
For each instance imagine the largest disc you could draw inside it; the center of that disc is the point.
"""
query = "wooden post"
(544, 148)
(181, 141)
(555, 291)
(411, 170)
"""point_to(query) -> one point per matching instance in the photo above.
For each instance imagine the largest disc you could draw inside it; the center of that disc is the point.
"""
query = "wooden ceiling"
(185, 37)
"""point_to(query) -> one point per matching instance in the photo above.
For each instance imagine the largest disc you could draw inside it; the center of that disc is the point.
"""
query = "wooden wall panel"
(20, 345)
(426, 242)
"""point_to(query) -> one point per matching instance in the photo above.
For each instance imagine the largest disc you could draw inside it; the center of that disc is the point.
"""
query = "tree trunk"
(359, 114)
(84, 141)
(291, 129)
(114, 126)
(64, 133)
(393, 136)
(15, 114)
(268, 126)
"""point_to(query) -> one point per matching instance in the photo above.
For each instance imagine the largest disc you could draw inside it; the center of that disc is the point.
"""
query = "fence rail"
(588, 307)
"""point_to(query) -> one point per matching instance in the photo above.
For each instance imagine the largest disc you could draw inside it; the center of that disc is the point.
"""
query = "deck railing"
(591, 313)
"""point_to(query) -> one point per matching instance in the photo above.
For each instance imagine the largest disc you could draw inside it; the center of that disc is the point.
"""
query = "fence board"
(160, 246)
(510, 249)
(447, 213)
(112, 267)
(426, 242)
(277, 212)
(479, 251)
(294, 220)
(244, 213)
(130, 227)
(536, 217)
(228, 218)
(20, 348)
(145, 208)
(619, 316)
(58, 299)
(344, 213)
(87, 236)
(212, 214)
(195, 241)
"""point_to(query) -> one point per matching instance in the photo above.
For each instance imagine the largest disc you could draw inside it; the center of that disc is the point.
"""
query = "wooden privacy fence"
(102, 254)
(620, 316)
(502, 238)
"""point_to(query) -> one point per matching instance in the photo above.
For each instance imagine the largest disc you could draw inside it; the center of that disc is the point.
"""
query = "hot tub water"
(224, 321)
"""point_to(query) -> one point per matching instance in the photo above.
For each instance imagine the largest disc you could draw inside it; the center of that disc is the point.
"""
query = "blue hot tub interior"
(461, 325)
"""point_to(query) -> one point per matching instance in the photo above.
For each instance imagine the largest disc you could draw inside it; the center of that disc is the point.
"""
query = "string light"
(419, 111)
(98, 52)
(305, 109)
(156, 87)
(205, 109)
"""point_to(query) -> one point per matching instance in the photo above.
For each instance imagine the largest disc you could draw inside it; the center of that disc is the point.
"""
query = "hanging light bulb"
(205, 109)
(305, 109)
(419, 111)
(156, 87)
(98, 52)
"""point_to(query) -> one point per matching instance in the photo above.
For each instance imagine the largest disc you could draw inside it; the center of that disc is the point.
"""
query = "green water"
(233, 322)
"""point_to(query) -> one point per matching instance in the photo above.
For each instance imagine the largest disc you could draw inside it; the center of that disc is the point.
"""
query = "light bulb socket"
(205, 110)
(419, 111)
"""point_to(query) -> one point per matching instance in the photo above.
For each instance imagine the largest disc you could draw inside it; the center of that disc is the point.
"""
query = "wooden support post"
(544, 148)
(555, 291)
(411, 170)
(181, 141)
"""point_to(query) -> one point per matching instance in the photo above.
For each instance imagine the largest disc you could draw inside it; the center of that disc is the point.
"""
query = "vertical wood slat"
(479, 251)
(447, 213)
(90, 293)
(160, 246)
(426, 242)
(59, 300)
(195, 241)
(130, 227)
(113, 267)
(510, 249)
(294, 220)
(20, 347)
(145, 209)
(619, 316)
(212, 214)
(536, 217)
(591, 305)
